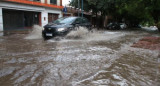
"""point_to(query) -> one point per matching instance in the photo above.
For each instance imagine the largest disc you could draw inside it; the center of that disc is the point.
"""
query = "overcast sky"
(65, 2)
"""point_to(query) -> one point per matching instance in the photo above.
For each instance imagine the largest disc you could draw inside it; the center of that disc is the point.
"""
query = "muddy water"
(100, 58)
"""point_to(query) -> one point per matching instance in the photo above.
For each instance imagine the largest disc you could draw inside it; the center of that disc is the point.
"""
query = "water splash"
(36, 33)
(94, 35)
(81, 32)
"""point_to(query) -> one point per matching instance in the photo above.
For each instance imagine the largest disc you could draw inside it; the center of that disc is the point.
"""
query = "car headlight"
(61, 29)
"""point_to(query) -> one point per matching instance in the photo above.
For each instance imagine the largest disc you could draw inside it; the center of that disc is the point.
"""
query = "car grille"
(48, 29)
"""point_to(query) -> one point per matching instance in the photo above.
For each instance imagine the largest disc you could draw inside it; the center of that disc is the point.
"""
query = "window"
(53, 2)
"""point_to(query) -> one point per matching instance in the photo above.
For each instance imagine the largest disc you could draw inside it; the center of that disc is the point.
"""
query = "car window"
(78, 21)
(84, 20)
(65, 20)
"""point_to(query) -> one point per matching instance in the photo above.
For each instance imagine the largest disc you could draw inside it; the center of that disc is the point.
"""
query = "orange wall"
(36, 3)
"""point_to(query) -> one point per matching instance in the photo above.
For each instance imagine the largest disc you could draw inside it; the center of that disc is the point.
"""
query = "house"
(23, 14)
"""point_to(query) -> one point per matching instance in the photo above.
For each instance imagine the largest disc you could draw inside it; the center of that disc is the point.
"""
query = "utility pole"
(82, 8)
(78, 7)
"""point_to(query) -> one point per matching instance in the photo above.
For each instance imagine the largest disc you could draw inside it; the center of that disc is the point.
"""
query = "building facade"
(23, 14)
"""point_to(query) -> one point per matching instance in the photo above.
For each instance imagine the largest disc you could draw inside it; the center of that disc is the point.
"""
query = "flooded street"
(100, 58)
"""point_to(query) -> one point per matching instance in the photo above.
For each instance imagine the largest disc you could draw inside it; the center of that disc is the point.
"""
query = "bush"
(158, 24)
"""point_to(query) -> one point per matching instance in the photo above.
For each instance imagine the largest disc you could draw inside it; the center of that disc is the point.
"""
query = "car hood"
(53, 25)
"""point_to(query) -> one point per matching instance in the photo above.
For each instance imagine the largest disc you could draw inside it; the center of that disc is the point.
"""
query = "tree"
(155, 12)
(133, 11)
(89, 5)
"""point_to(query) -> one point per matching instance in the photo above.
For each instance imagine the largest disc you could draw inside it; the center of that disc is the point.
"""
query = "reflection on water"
(100, 58)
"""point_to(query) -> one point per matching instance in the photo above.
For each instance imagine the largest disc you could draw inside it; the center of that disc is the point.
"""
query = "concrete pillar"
(1, 22)
(48, 1)
(42, 1)
(60, 15)
(58, 2)
(44, 18)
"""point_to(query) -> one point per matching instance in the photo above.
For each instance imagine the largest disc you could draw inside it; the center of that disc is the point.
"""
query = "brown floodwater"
(82, 58)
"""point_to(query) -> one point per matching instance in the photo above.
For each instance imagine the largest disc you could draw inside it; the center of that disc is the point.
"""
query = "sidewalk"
(152, 43)
(17, 31)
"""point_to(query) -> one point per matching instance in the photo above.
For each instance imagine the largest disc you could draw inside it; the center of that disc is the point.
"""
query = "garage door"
(14, 19)
(52, 17)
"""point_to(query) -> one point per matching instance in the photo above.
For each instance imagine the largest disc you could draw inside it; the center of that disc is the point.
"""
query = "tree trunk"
(158, 28)
(158, 25)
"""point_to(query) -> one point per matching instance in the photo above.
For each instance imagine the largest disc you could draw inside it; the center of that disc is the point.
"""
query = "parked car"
(116, 26)
(113, 26)
(63, 26)
(123, 26)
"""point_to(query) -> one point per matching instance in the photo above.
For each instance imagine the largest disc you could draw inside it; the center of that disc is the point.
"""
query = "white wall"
(1, 20)
(60, 15)
(55, 11)
(48, 1)
(21, 7)
(44, 14)
(42, 1)
(44, 11)
(58, 2)
(44, 18)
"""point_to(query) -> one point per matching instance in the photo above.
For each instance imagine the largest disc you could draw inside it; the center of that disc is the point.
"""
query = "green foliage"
(134, 11)
(158, 24)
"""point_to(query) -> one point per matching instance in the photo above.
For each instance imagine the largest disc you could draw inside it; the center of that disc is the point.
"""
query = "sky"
(65, 2)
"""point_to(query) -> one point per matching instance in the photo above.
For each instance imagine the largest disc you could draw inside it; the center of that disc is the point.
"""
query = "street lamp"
(78, 7)
(82, 8)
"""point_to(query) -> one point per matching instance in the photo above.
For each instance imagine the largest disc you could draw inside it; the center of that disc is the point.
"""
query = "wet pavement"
(100, 58)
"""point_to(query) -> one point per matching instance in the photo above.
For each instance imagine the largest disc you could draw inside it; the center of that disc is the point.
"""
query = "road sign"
(65, 9)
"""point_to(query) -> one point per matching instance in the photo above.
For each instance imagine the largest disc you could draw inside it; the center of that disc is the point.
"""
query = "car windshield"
(65, 20)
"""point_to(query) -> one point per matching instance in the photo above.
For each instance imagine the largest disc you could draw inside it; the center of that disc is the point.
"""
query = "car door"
(78, 23)
(85, 22)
